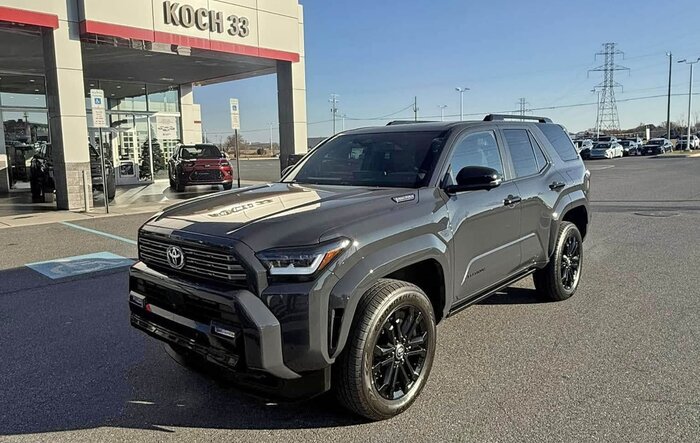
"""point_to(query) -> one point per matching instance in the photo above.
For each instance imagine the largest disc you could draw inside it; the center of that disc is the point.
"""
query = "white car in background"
(607, 150)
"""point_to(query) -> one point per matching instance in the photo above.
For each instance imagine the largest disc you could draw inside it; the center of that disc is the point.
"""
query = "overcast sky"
(378, 55)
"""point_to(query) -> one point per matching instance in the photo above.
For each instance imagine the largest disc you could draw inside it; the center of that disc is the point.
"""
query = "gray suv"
(336, 276)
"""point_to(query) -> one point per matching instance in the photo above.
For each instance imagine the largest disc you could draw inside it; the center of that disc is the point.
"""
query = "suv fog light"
(137, 299)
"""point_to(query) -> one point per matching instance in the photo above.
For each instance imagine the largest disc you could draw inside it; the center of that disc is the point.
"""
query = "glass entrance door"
(130, 147)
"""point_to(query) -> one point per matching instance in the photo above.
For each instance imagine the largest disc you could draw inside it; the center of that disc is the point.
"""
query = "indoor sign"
(187, 16)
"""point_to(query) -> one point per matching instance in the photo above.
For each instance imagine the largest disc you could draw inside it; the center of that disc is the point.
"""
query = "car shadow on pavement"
(198, 398)
(71, 361)
(514, 296)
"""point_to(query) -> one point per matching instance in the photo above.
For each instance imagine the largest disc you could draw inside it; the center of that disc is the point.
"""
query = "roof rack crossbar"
(501, 117)
(408, 122)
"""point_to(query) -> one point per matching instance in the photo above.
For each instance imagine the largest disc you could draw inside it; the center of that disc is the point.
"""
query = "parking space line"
(103, 234)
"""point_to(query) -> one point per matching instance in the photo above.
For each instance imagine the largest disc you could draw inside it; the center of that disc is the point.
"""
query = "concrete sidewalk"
(128, 201)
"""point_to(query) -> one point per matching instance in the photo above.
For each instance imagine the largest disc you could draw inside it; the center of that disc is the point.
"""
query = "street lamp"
(461, 101)
(668, 104)
(442, 112)
(690, 91)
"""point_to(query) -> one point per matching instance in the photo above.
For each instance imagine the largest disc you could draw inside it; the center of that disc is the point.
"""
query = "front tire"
(559, 279)
(389, 353)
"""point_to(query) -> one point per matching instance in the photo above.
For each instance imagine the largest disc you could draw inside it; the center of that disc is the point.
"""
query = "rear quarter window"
(559, 140)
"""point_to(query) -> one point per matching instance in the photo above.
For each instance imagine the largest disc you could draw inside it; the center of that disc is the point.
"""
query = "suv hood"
(280, 214)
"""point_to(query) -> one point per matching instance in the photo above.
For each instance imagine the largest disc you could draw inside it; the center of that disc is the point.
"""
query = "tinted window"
(521, 152)
(200, 151)
(387, 159)
(559, 140)
(478, 149)
(539, 155)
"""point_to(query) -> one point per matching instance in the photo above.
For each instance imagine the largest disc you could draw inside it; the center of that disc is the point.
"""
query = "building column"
(67, 119)
(190, 116)
(4, 166)
(291, 101)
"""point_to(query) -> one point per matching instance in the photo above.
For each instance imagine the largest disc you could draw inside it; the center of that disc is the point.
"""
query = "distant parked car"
(629, 147)
(606, 150)
(200, 164)
(657, 146)
(683, 144)
(607, 139)
(583, 147)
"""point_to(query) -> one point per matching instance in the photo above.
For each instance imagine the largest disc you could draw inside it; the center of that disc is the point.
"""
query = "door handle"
(555, 186)
(512, 200)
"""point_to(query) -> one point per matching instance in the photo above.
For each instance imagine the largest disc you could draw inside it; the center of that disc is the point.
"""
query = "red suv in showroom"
(200, 164)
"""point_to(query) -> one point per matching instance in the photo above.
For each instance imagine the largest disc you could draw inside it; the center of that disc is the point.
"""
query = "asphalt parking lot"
(620, 361)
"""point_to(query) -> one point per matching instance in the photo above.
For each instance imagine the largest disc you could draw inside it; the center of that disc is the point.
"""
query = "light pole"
(334, 108)
(442, 112)
(668, 104)
(690, 92)
(271, 139)
(461, 101)
(597, 115)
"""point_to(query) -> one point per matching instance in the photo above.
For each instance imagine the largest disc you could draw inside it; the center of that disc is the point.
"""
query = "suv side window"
(475, 149)
(559, 140)
(521, 152)
(539, 155)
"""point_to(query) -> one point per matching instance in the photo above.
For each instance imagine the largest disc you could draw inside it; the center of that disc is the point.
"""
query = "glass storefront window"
(22, 91)
(165, 131)
(163, 98)
(122, 96)
(24, 133)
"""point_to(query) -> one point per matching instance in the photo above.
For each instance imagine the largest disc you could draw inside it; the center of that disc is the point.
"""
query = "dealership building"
(145, 56)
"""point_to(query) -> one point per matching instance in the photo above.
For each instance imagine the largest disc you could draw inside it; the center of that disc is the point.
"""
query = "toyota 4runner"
(336, 276)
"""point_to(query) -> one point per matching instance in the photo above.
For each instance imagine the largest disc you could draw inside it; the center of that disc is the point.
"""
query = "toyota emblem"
(176, 258)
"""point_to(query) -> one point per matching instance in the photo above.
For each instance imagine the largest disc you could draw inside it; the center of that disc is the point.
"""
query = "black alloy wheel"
(570, 260)
(389, 352)
(399, 352)
(560, 278)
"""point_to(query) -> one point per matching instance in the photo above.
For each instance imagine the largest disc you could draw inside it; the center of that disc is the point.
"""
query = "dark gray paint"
(464, 233)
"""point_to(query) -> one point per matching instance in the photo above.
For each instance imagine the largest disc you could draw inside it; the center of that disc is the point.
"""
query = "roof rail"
(407, 122)
(501, 117)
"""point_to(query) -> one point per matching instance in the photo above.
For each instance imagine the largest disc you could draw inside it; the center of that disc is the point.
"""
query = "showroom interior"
(52, 55)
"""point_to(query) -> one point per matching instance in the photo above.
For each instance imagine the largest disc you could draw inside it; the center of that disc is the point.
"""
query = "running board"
(488, 292)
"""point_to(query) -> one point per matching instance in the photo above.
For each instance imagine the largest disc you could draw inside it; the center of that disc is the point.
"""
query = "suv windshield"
(200, 151)
(384, 159)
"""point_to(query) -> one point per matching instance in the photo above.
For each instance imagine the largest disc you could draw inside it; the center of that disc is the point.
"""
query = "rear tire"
(387, 359)
(560, 278)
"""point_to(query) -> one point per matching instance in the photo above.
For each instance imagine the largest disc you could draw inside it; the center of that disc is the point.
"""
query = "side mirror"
(473, 178)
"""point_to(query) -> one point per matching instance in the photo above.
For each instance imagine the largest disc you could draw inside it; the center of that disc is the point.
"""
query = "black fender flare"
(347, 293)
(574, 200)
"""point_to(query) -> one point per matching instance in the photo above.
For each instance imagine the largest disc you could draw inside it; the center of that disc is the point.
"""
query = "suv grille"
(199, 261)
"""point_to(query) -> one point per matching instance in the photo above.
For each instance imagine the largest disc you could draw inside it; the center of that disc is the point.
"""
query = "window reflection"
(26, 91)
(163, 98)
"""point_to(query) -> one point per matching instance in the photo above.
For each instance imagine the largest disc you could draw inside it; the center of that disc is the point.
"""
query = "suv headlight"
(302, 260)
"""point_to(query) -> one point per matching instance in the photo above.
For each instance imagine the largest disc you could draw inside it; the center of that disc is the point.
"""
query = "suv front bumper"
(246, 337)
